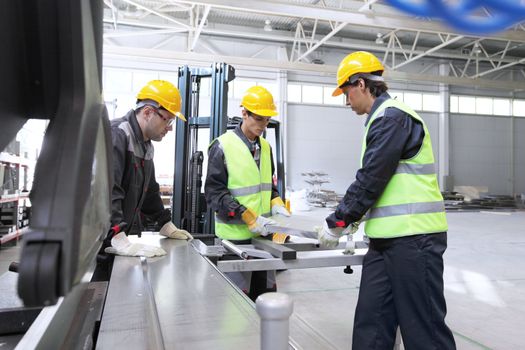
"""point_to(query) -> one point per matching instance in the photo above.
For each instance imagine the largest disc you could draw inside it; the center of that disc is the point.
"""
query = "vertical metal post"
(221, 74)
(275, 310)
(279, 157)
(180, 175)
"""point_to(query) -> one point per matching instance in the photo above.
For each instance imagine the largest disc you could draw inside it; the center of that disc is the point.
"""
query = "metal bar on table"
(304, 260)
(234, 249)
(277, 250)
(292, 231)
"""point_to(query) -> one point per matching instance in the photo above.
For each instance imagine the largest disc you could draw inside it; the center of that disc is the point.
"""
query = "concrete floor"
(484, 286)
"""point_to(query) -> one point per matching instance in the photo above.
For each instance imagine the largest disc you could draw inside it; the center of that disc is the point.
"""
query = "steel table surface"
(178, 301)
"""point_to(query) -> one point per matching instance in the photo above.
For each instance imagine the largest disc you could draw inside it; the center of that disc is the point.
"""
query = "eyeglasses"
(169, 121)
(260, 119)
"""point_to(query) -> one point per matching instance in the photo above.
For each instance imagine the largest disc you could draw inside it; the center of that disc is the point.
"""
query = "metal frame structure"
(305, 30)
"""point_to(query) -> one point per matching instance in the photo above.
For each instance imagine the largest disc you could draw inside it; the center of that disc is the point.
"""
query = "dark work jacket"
(218, 196)
(393, 137)
(134, 175)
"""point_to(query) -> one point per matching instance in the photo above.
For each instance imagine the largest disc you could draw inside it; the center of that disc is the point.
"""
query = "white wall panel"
(480, 152)
(519, 155)
(323, 138)
(329, 139)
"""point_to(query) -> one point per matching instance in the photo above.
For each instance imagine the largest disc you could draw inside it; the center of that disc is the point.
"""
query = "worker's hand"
(171, 231)
(163, 217)
(278, 207)
(121, 245)
(329, 237)
(256, 223)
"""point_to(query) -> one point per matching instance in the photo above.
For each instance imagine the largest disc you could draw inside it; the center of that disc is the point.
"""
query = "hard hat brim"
(337, 91)
(180, 115)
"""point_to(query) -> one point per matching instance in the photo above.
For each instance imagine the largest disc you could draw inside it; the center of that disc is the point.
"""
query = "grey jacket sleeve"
(119, 141)
(152, 202)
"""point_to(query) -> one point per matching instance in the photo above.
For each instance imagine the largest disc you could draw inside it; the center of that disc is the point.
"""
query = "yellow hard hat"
(356, 62)
(165, 94)
(258, 100)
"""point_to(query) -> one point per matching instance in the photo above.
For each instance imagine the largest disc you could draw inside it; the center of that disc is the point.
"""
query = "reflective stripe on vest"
(411, 203)
(250, 185)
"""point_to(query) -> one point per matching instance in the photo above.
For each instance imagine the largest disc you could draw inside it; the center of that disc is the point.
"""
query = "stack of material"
(457, 202)
(316, 196)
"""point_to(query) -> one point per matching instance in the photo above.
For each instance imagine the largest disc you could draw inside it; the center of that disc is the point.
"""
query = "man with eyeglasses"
(396, 186)
(135, 193)
(239, 186)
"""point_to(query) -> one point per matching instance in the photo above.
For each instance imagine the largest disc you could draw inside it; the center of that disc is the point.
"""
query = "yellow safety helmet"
(165, 94)
(356, 62)
(258, 100)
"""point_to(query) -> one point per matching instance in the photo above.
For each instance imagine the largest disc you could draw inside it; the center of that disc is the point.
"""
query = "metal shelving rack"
(14, 209)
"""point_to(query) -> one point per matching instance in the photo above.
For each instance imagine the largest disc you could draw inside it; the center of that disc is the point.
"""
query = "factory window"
(118, 80)
(431, 102)
(454, 104)
(328, 99)
(484, 105)
(294, 93)
(312, 94)
(414, 100)
(501, 106)
(467, 104)
(518, 108)
(205, 88)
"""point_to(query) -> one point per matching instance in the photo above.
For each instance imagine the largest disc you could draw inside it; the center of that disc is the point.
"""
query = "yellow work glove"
(171, 231)
(278, 207)
(256, 223)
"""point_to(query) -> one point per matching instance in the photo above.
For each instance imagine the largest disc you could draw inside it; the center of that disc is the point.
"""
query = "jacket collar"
(238, 132)
(132, 118)
(378, 102)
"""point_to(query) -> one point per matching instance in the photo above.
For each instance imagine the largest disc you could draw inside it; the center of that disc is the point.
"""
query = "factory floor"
(484, 285)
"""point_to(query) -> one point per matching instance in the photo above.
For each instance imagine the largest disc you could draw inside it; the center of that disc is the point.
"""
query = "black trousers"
(402, 285)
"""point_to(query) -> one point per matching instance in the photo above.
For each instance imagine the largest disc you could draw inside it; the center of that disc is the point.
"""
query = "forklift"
(189, 210)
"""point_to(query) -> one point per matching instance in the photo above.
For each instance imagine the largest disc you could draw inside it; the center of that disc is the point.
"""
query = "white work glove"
(171, 231)
(121, 245)
(256, 223)
(279, 208)
(329, 237)
(260, 225)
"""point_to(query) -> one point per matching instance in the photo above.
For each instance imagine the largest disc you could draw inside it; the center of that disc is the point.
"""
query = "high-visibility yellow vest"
(411, 203)
(250, 185)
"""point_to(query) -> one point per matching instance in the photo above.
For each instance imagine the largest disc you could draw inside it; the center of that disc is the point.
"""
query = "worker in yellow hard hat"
(239, 186)
(135, 192)
(396, 186)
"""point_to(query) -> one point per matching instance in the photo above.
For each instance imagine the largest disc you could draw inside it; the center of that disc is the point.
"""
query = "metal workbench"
(176, 301)
(183, 301)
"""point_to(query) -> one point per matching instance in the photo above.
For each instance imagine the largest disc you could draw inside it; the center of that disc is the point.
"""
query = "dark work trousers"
(402, 285)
